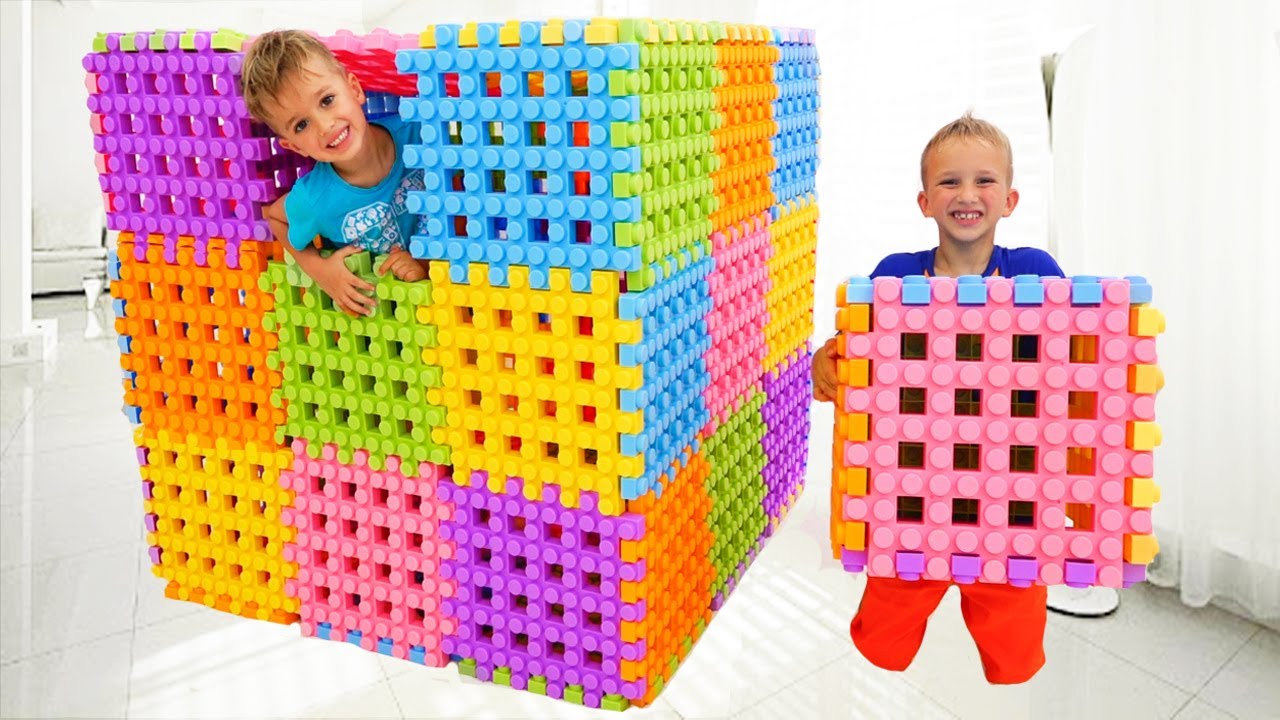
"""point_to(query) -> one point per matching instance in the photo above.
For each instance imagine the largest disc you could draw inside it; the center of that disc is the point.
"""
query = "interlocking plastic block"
(196, 354)
(372, 58)
(543, 150)
(789, 301)
(795, 146)
(788, 393)
(986, 439)
(357, 382)
(177, 152)
(214, 522)
(369, 550)
(745, 60)
(737, 518)
(736, 323)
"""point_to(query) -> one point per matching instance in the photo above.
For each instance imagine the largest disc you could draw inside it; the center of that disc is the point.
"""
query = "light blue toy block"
(133, 413)
(971, 290)
(915, 290)
(125, 344)
(1139, 290)
(324, 630)
(384, 646)
(1028, 290)
(418, 654)
(117, 307)
(354, 637)
(859, 290)
(1086, 290)
(113, 265)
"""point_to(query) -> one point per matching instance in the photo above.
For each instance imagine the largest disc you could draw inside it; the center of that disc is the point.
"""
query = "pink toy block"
(736, 322)
(369, 553)
(993, 440)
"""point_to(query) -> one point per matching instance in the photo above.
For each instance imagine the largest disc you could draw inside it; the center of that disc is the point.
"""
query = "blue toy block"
(117, 307)
(354, 637)
(384, 646)
(1139, 290)
(418, 654)
(113, 265)
(1028, 290)
(1086, 290)
(133, 413)
(125, 343)
(859, 290)
(915, 290)
(324, 630)
(971, 290)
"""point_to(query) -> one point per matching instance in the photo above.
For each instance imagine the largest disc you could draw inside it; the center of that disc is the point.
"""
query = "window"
(911, 454)
(1024, 403)
(1022, 458)
(910, 509)
(1084, 348)
(966, 456)
(1022, 513)
(1026, 348)
(1082, 405)
(964, 511)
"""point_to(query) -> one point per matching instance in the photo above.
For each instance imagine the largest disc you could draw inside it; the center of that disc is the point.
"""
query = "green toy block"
(502, 676)
(100, 43)
(128, 42)
(467, 666)
(573, 694)
(616, 703)
(537, 685)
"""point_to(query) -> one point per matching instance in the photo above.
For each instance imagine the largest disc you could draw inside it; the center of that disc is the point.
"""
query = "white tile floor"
(87, 632)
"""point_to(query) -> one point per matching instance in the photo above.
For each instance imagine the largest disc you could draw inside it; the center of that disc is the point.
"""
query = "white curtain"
(1166, 164)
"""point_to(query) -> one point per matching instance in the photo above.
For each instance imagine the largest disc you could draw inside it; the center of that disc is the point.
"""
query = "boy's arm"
(349, 292)
(403, 266)
(825, 383)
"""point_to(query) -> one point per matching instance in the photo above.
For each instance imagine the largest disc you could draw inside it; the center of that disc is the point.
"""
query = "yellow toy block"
(1145, 321)
(427, 39)
(854, 373)
(509, 34)
(852, 480)
(1141, 492)
(854, 535)
(854, 318)
(553, 32)
(1142, 435)
(532, 382)
(853, 426)
(467, 35)
(1140, 549)
(1145, 379)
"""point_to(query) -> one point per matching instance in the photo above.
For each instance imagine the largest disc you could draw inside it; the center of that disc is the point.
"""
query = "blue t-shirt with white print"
(1005, 262)
(374, 218)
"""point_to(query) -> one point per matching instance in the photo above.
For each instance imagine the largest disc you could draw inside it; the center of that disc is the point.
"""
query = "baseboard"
(64, 269)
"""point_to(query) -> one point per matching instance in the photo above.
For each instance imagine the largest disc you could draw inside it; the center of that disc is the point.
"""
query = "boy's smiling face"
(966, 190)
(320, 114)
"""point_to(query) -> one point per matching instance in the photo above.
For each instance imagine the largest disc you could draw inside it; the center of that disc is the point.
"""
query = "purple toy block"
(150, 521)
(1023, 571)
(155, 554)
(965, 569)
(1134, 574)
(148, 489)
(142, 456)
(909, 564)
(853, 560)
(1080, 573)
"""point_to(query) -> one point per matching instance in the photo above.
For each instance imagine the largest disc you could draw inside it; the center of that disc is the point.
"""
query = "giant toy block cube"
(996, 430)
(550, 462)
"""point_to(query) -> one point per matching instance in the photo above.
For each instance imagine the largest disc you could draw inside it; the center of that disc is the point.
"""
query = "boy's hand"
(403, 266)
(825, 383)
(350, 294)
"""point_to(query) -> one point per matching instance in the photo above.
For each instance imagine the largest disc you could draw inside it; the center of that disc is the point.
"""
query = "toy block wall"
(551, 461)
(996, 430)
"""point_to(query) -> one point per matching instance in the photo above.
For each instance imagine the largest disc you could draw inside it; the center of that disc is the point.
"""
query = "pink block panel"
(369, 551)
(988, 433)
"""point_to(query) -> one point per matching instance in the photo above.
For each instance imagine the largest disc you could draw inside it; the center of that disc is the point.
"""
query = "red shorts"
(1006, 622)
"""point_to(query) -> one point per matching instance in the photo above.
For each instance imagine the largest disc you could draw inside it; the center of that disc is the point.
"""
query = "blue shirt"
(1005, 262)
(375, 218)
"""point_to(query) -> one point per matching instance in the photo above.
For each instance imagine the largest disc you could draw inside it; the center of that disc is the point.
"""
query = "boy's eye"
(948, 182)
(327, 101)
(302, 125)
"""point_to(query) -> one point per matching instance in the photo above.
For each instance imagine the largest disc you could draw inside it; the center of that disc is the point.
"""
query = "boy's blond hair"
(273, 60)
(968, 127)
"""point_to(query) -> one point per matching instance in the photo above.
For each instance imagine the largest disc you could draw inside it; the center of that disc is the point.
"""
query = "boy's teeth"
(967, 216)
(340, 138)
